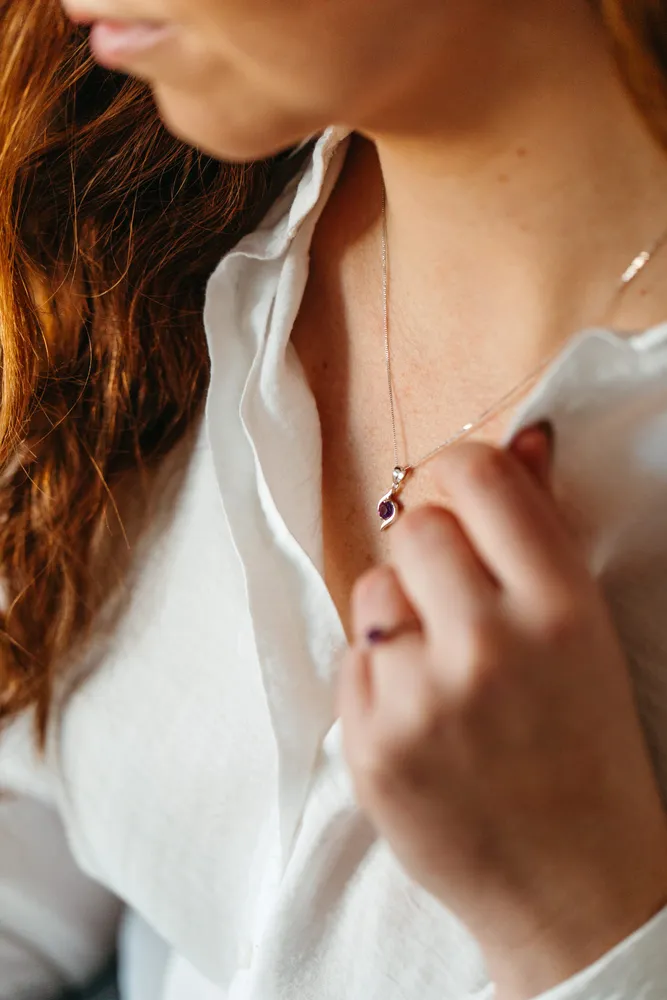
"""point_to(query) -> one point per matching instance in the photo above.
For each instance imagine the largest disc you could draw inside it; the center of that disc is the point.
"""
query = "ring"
(378, 636)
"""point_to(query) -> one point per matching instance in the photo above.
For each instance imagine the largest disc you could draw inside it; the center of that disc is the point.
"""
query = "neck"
(518, 213)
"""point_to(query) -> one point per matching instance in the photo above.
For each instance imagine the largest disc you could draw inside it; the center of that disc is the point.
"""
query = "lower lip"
(113, 42)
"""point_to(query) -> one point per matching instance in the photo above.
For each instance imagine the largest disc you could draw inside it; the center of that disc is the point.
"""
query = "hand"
(494, 739)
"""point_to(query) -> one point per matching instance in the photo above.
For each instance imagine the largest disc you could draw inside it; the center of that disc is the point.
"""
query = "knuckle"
(483, 653)
(427, 526)
(488, 687)
(482, 466)
(559, 621)
(367, 586)
(485, 668)
(421, 718)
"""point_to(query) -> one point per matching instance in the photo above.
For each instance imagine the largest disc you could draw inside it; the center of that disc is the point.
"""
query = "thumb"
(534, 448)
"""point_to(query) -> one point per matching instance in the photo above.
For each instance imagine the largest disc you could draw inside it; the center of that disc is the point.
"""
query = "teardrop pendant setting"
(390, 507)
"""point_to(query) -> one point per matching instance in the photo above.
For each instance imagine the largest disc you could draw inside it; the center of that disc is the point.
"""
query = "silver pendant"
(390, 506)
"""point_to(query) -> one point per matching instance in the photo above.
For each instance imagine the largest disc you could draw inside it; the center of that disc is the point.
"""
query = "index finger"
(511, 519)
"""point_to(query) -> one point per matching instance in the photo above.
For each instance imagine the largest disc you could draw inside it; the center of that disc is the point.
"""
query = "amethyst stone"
(386, 510)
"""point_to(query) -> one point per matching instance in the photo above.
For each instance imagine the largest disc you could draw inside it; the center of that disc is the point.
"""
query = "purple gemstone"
(386, 510)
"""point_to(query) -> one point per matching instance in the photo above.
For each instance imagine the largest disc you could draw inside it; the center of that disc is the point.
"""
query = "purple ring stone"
(386, 510)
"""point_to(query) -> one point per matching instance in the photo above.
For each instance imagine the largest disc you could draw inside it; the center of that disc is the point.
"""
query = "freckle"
(503, 178)
(522, 152)
(643, 292)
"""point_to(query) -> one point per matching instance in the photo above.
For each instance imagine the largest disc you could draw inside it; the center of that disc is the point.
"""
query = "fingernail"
(548, 430)
(543, 427)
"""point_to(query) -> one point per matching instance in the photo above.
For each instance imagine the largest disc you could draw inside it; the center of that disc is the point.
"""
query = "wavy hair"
(109, 228)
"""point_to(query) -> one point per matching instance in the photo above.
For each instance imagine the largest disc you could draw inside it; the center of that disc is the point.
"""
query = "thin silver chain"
(631, 272)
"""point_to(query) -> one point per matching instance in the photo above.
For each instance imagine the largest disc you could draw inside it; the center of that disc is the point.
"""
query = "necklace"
(390, 507)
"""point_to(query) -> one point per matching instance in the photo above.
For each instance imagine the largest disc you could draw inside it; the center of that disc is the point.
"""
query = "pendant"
(390, 506)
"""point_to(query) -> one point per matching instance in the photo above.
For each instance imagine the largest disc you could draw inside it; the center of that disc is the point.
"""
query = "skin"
(475, 739)
(247, 77)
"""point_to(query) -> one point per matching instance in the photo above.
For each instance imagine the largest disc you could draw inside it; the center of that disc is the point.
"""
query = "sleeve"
(57, 927)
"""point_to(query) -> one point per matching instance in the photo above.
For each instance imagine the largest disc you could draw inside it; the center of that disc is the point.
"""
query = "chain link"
(636, 266)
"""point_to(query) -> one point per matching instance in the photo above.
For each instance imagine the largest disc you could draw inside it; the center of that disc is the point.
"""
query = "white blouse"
(197, 775)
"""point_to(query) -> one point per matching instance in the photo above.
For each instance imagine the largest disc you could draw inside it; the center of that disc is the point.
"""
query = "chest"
(371, 421)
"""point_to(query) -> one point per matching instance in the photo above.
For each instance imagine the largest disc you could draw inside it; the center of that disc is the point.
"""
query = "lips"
(114, 42)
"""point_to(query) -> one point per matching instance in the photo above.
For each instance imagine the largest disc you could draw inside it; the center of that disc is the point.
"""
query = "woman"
(497, 178)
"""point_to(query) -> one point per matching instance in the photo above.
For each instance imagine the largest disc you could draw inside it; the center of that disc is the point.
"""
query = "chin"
(225, 137)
